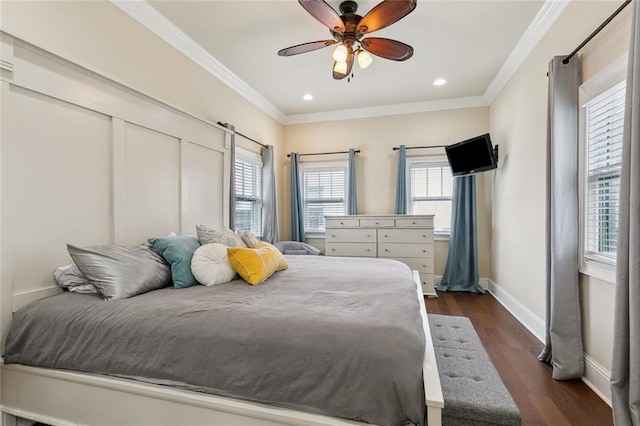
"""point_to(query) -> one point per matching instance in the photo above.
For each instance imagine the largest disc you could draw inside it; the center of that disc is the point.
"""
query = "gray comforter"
(335, 336)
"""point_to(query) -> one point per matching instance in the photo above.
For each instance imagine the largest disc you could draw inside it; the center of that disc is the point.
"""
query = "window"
(603, 118)
(324, 193)
(430, 186)
(248, 192)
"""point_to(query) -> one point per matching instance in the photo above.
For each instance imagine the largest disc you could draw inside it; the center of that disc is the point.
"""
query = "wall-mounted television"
(472, 155)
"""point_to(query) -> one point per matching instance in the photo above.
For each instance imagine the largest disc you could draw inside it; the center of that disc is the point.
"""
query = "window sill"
(441, 237)
(315, 235)
(602, 271)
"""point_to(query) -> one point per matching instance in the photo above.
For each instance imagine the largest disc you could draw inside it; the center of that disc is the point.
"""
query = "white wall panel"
(152, 184)
(204, 174)
(56, 184)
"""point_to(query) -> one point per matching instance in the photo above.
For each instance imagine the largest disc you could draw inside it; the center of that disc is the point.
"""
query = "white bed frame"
(135, 128)
(60, 397)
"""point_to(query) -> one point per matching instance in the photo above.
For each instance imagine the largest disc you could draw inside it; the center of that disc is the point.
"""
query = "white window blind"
(603, 135)
(324, 194)
(249, 196)
(430, 189)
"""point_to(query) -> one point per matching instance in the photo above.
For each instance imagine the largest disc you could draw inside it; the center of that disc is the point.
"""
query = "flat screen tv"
(471, 156)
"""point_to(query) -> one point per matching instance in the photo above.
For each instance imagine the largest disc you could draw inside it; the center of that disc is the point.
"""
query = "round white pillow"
(210, 265)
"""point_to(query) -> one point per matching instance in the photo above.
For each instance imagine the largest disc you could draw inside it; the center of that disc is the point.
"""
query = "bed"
(341, 338)
(115, 166)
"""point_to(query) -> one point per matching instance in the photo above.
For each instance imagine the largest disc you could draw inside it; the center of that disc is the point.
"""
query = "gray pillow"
(295, 247)
(71, 278)
(121, 272)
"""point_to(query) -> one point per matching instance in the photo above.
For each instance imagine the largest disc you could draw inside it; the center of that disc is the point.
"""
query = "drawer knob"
(341, 223)
(377, 223)
(413, 223)
(424, 236)
(333, 236)
(386, 236)
(386, 249)
(368, 236)
(368, 249)
(333, 249)
(424, 251)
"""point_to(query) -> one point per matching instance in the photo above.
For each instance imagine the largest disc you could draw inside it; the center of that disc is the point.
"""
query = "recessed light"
(307, 97)
(439, 82)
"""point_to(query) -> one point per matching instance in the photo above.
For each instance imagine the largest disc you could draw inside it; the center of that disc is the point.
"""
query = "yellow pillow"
(283, 261)
(255, 265)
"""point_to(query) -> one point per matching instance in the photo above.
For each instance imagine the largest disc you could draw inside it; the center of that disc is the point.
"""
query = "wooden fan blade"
(387, 48)
(384, 14)
(305, 47)
(340, 76)
(324, 13)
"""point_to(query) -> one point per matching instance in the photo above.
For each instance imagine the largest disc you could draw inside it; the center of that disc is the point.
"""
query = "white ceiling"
(469, 43)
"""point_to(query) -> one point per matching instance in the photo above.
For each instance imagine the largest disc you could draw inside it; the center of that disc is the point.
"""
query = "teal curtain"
(270, 228)
(401, 182)
(297, 207)
(352, 207)
(461, 272)
(625, 366)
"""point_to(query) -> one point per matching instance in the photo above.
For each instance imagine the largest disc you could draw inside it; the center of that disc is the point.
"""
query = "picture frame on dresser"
(406, 238)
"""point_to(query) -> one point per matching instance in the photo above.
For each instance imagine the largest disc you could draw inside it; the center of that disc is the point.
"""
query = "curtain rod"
(395, 148)
(244, 136)
(593, 34)
(327, 153)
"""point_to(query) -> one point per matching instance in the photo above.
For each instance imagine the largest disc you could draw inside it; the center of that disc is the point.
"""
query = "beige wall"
(100, 37)
(376, 165)
(518, 122)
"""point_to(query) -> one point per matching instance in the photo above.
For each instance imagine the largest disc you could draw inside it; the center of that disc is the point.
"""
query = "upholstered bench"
(473, 391)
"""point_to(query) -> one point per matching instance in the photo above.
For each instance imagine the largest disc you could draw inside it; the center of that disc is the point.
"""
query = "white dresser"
(408, 239)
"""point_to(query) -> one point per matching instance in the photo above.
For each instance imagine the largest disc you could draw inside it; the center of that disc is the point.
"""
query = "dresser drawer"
(350, 249)
(428, 284)
(408, 222)
(376, 223)
(423, 265)
(396, 250)
(349, 235)
(341, 222)
(405, 236)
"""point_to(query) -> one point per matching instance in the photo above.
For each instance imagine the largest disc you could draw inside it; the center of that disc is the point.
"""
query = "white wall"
(518, 121)
(376, 165)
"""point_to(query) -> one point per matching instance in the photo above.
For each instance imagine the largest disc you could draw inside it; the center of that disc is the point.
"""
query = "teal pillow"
(178, 251)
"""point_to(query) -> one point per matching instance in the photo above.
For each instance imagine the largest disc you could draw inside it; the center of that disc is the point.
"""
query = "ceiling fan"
(349, 31)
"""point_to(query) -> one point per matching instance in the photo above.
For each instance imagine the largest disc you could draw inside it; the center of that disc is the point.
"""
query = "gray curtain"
(625, 369)
(401, 182)
(270, 228)
(461, 272)
(352, 207)
(232, 180)
(297, 208)
(563, 342)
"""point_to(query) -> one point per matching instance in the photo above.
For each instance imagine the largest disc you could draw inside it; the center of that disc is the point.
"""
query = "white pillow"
(210, 266)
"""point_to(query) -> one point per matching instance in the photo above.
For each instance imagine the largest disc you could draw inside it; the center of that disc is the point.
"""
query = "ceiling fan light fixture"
(340, 53)
(364, 59)
(340, 67)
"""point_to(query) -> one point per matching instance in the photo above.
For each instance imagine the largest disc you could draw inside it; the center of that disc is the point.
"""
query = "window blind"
(604, 125)
(431, 186)
(248, 197)
(324, 194)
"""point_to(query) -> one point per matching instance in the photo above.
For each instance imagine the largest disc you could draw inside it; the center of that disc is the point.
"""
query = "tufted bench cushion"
(473, 391)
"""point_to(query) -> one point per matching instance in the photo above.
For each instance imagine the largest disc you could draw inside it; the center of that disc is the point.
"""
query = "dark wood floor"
(514, 350)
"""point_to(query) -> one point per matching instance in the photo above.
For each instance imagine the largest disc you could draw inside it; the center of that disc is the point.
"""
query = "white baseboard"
(595, 375)
(527, 318)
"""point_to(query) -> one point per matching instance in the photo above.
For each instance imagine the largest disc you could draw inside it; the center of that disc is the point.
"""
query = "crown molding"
(385, 110)
(547, 15)
(147, 16)
(154, 21)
